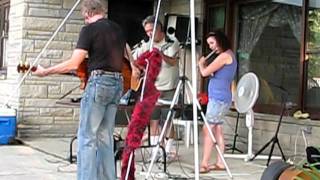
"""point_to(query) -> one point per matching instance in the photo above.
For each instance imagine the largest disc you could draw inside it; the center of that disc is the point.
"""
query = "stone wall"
(14, 52)
(290, 133)
(32, 24)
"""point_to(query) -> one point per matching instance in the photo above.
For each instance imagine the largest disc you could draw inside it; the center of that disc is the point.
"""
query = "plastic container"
(7, 125)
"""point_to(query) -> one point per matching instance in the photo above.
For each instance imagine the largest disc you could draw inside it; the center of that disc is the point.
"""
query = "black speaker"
(179, 26)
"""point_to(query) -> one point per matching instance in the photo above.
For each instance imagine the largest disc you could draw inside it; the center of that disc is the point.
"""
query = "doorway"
(129, 15)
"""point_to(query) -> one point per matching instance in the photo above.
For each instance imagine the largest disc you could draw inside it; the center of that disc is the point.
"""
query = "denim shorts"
(216, 111)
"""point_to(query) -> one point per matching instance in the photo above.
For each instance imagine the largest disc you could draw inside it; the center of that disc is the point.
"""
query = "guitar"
(137, 81)
(126, 73)
(81, 72)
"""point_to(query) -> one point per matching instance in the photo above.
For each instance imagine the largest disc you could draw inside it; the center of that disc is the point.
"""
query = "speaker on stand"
(177, 26)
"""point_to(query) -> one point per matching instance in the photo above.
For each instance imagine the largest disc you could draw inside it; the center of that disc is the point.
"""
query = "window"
(269, 45)
(216, 14)
(312, 90)
(4, 27)
(215, 20)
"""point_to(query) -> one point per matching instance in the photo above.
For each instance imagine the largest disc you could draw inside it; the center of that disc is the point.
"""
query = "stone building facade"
(32, 24)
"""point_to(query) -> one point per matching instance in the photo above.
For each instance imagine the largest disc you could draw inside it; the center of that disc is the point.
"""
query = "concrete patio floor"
(47, 158)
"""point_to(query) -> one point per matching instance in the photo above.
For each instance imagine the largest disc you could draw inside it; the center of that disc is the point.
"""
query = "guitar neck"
(25, 68)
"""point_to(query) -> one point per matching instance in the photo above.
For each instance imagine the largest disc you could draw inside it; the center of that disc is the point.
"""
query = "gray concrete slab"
(25, 163)
(47, 158)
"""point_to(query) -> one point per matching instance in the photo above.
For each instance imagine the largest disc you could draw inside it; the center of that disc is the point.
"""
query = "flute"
(209, 55)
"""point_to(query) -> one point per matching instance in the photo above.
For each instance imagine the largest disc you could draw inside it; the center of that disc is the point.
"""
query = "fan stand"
(274, 140)
(241, 91)
(249, 125)
(249, 156)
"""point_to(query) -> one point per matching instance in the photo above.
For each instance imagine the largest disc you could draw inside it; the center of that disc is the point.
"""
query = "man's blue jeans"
(98, 108)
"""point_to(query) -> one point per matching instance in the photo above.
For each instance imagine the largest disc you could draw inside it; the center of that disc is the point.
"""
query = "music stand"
(274, 140)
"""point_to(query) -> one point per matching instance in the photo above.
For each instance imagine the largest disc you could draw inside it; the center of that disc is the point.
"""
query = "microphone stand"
(275, 140)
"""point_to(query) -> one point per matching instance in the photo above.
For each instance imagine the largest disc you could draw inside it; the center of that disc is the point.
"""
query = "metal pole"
(194, 90)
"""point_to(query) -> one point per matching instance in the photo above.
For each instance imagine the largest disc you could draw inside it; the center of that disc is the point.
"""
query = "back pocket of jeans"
(104, 94)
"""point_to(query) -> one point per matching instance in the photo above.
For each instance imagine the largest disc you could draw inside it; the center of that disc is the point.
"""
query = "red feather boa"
(142, 111)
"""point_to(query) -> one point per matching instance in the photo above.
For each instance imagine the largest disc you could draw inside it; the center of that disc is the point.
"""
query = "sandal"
(215, 167)
(204, 170)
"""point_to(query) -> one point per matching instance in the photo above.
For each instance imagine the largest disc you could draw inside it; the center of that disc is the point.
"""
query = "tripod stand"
(274, 140)
(169, 116)
(235, 136)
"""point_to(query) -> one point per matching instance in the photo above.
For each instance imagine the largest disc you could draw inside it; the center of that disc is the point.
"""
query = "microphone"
(137, 45)
(144, 40)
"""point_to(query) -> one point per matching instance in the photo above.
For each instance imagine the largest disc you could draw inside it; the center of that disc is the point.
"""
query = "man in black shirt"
(103, 42)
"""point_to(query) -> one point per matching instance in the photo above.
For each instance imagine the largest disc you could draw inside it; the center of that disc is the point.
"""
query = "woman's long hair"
(221, 39)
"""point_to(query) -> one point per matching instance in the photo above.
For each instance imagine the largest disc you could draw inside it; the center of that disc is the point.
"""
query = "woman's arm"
(219, 62)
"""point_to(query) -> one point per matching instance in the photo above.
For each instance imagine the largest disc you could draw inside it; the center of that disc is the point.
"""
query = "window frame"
(4, 31)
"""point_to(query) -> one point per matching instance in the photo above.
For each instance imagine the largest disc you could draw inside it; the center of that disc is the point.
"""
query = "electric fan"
(245, 98)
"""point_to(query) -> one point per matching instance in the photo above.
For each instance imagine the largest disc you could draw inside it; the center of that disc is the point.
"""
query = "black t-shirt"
(105, 44)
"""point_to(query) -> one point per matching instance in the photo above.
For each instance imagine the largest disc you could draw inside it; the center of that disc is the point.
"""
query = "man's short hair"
(150, 20)
(94, 7)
